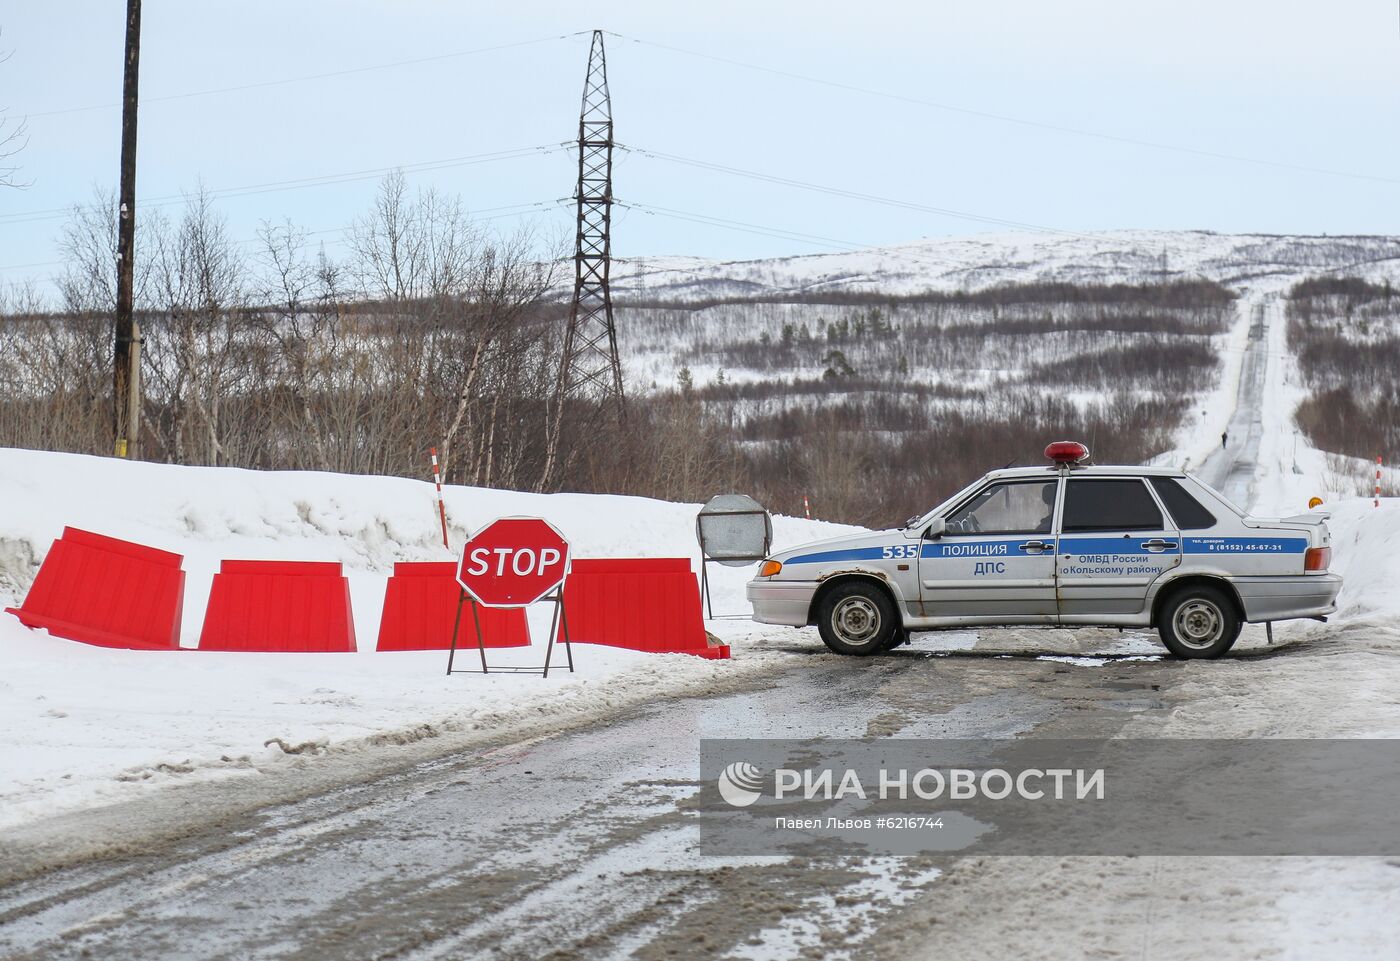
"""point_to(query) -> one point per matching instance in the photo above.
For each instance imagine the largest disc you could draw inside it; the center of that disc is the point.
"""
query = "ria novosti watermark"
(1044, 796)
(740, 784)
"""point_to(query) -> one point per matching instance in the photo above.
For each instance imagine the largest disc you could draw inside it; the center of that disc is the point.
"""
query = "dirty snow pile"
(91, 725)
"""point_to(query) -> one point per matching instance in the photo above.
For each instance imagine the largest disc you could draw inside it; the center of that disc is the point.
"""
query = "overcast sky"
(1295, 83)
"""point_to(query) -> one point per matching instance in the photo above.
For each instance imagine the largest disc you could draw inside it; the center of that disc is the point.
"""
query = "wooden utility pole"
(126, 366)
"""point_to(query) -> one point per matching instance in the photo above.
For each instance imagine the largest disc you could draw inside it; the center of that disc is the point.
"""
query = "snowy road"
(1231, 468)
(579, 844)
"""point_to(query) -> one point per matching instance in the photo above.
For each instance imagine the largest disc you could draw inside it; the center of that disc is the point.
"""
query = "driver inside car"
(1047, 494)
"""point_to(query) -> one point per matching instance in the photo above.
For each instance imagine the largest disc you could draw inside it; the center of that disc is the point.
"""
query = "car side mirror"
(935, 529)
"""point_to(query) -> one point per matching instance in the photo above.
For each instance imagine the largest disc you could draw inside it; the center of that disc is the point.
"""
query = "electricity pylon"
(590, 365)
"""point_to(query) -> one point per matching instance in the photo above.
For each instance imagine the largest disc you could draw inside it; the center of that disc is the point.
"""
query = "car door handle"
(1035, 547)
(1157, 545)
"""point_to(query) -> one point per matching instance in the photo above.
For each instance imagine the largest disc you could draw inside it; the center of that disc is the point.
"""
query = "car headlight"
(770, 568)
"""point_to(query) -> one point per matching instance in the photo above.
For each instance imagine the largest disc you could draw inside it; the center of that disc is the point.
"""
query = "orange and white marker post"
(1377, 495)
(806, 507)
(442, 508)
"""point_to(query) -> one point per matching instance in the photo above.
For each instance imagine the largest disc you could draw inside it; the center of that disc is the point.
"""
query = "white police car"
(1066, 545)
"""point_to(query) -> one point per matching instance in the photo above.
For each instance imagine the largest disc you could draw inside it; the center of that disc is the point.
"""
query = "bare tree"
(301, 320)
(14, 137)
(65, 359)
(88, 241)
(388, 243)
(430, 331)
(503, 294)
(195, 285)
(438, 278)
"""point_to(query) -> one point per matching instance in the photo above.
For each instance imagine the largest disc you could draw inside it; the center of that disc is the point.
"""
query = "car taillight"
(769, 568)
(1317, 559)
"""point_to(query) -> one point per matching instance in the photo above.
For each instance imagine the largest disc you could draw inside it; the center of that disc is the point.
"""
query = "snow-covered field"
(106, 725)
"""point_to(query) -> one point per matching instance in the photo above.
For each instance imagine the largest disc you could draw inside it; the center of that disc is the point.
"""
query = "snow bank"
(1366, 552)
(97, 725)
(367, 523)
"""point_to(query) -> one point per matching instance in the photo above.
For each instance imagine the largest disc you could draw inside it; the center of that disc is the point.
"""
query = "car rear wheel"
(1198, 622)
(858, 618)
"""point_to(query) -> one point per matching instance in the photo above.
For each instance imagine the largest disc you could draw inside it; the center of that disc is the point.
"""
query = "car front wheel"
(1198, 622)
(860, 619)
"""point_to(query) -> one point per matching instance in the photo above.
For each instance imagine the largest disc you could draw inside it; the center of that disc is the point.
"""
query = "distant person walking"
(1224, 438)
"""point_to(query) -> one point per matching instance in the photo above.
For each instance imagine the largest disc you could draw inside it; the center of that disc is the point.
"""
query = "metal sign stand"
(705, 563)
(728, 560)
(559, 621)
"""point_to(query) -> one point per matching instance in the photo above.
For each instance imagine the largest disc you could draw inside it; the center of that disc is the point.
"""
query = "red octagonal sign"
(513, 562)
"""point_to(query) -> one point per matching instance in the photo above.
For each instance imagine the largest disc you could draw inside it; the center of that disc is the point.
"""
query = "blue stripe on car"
(1191, 545)
(1072, 545)
(1115, 545)
(850, 554)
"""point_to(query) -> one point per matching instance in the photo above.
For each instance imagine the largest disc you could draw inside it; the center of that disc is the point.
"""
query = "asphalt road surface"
(574, 845)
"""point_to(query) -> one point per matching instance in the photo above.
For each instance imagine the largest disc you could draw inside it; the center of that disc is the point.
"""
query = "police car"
(1065, 545)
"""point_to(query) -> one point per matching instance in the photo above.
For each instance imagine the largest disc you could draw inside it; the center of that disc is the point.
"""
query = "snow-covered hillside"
(879, 355)
(984, 260)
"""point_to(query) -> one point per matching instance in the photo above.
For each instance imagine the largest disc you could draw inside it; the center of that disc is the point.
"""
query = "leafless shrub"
(873, 465)
(1348, 475)
(1180, 371)
(669, 447)
(1190, 294)
(1337, 420)
(1345, 333)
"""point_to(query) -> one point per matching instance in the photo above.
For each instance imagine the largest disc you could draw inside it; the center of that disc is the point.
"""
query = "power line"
(516, 153)
(778, 233)
(262, 84)
(479, 215)
(848, 194)
(1021, 121)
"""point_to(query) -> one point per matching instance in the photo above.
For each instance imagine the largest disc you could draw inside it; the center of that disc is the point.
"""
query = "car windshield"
(1010, 507)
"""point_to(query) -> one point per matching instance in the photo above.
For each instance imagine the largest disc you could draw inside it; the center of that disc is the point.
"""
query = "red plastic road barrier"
(420, 605)
(278, 606)
(107, 592)
(640, 603)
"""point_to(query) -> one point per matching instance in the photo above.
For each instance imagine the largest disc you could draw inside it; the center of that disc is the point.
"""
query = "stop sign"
(513, 562)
